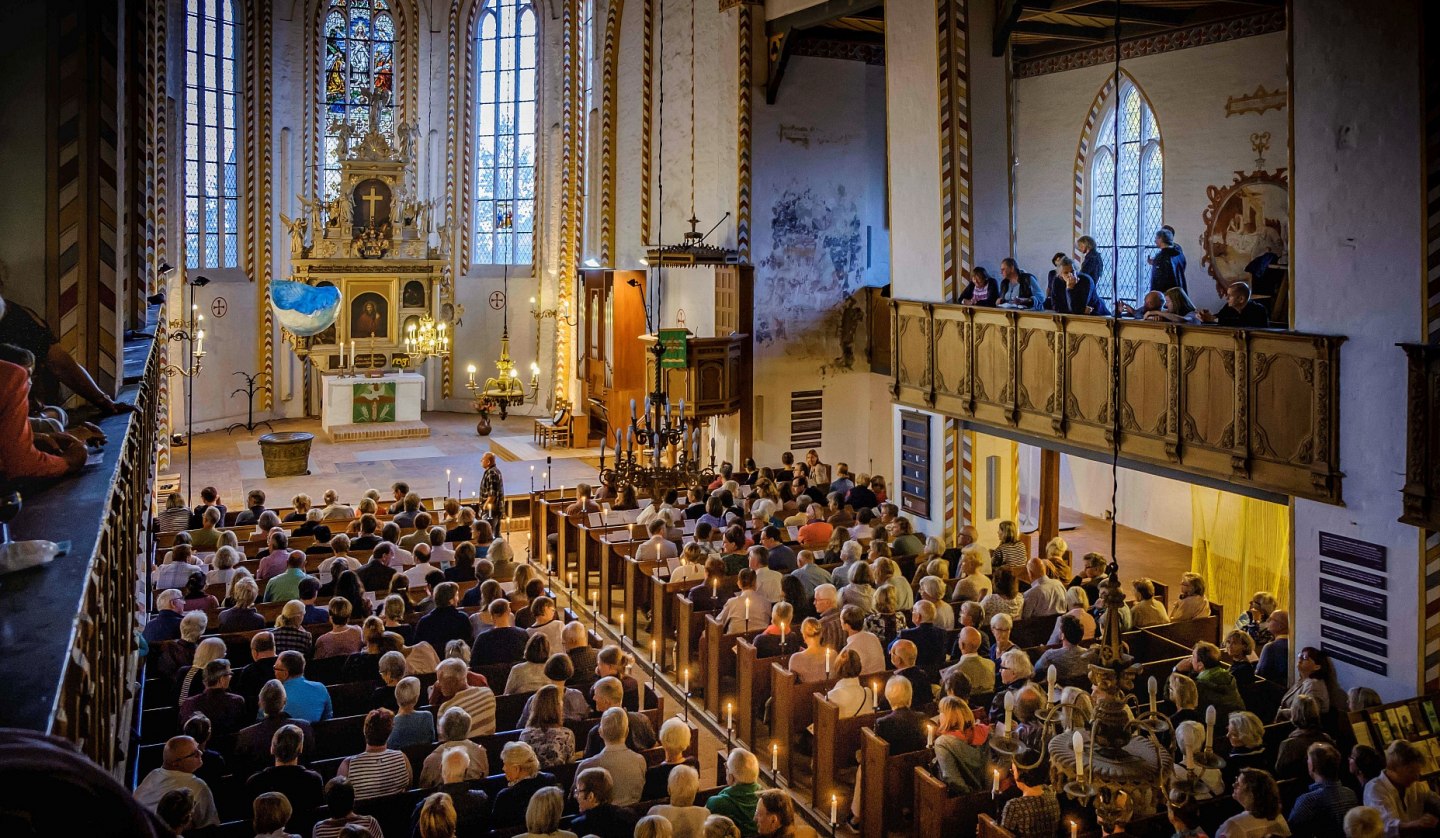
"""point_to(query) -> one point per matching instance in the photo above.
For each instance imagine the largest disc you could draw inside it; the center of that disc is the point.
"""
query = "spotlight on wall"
(200, 281)
(592, 262)
(633, 282)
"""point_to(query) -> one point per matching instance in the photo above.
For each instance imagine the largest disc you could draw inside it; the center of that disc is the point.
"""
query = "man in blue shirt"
(304, 699)
(166, 624)
(1320, 811)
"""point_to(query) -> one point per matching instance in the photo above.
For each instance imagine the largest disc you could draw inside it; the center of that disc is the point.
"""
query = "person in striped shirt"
(479, 702)
(378, 770)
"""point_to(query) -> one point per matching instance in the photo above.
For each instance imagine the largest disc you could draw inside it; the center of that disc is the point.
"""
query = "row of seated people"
(404, 506)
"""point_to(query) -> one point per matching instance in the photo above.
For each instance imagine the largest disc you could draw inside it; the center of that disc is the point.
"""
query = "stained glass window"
(211, 138)
(359, 56)
(1127, 176)
(506, 50)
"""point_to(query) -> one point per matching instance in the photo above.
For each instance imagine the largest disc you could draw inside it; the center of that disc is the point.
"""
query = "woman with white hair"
(502, 559)
(242, 616)
(851, 552)
(192, 682)
(412, 727)
(1188, 775)
(675, 739)
(454, 732)
(224, 564)
(267, 521)
(686, 819)
(523, 780)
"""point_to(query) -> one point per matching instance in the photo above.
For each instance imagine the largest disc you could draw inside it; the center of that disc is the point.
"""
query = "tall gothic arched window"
(506, 50)
(359, 57)
(1125, 211)
(212, 196)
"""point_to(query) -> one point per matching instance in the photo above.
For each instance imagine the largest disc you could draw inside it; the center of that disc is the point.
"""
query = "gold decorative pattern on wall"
(257, 93)
(159, 211)
(955, 211)
(1252, 408)
(647, 95)
(744, 97)
(608, 119)
(1260, 101)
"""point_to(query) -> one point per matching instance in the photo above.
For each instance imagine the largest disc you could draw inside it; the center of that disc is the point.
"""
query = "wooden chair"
(555, 429)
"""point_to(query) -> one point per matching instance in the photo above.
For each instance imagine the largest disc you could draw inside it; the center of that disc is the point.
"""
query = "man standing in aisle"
(492, 492)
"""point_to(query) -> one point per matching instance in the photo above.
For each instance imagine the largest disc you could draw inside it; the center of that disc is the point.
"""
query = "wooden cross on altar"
(371, 198)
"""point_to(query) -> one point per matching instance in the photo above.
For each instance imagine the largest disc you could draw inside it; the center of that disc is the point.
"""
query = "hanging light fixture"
(505, 390)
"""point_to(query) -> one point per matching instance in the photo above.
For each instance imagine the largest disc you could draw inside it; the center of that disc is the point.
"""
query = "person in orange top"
(22, 453)
(816, 534)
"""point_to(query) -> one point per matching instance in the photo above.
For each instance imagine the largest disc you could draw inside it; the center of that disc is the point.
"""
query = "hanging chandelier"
(426, 339)
(505, 390)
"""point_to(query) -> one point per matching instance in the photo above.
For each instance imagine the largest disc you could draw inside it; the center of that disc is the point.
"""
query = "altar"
(357, 407)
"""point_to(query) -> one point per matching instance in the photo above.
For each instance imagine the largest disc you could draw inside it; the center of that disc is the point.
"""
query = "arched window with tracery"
(1125, 211)
(212, 136)
(506, 50)
(359, 57)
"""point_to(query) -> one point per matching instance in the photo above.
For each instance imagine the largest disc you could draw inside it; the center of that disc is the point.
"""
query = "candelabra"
(191, 333)
(661, 452)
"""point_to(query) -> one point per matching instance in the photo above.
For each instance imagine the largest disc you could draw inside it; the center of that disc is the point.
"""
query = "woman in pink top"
(342, 638)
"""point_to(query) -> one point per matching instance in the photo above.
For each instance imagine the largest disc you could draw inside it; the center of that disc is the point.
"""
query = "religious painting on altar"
(369, 316)
(414, 295)
(371, 200)
(373, 402)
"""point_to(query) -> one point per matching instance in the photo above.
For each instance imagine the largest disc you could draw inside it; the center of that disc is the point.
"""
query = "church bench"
(791, 710)
(837, 739)
(886, 776)
(986, 827)
(1189, 632)
(1031, 631)
(938, 812)
(718, 660)
(752, 683)
(639, 596)
(663, 622)
(689, 625)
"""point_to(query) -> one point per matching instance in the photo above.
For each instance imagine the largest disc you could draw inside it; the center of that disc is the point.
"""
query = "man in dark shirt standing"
(1239, 312)
(1167, 268)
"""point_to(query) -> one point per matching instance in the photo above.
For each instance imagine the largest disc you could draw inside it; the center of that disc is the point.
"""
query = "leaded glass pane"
(505, 132)
(211, 139)
(359, 57)
(1138, 210)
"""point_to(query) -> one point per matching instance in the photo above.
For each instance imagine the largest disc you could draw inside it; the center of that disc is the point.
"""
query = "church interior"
(858, 457)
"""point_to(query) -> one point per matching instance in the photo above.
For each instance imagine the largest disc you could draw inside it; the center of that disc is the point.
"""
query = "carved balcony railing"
(1255, 408)
(68, 659)
(1421, 494)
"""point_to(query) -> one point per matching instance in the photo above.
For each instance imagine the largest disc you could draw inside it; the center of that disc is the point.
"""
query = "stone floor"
(232, 464)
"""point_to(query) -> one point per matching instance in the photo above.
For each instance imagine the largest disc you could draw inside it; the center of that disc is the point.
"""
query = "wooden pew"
(690, 625)
(988, 828)
(836, 742)
(791, 709)
(663, 623)
(639, 596)
(718, 660)
(886, 776)
(752, 684)
(937, 812)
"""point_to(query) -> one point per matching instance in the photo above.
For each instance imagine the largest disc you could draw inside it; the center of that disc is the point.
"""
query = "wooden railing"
(1255, 408)
(69, 660)
(1421, 493)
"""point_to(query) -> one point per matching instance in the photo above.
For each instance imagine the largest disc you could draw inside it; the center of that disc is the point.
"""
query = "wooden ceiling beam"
(1005, 20)
(1129, 14)
(1061, 32)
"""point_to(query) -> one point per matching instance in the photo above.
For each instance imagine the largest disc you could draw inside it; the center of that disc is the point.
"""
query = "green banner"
(374, 402)
(675, 343)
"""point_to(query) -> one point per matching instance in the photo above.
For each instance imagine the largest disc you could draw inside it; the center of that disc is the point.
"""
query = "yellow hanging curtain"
(1240, 545)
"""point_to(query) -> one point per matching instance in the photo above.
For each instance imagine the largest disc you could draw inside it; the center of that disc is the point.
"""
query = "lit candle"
(834, 805)
(747, 613)
(995, 784)
(774, 757)
(715, 589)
(687, 681)
(654, 659)
(1077, 742)
(1209, 727)
(622, 627)
(1009, 707)
(1152, 695)
(929, 736)
(471, 369)
(782, 635)
(200, 342)
(729, 715)
(1050, 677)
(827, 661)
(1074, 829)
(352, 353)
(594, 601)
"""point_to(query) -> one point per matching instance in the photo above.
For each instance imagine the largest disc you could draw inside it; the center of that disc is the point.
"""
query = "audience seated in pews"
(182, 758)
(600, 797)
(1259, 795)
(523, 779)
(300, 786)
(737, 800)
(682, 784)
(1070, 659)
(959, 747)
(902, 656)
(453, 686)
(543, 813)
(1246, 735)
(1147, 610)
(608, 694)
(1036, 812)
(978, 670)
(544, 728)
